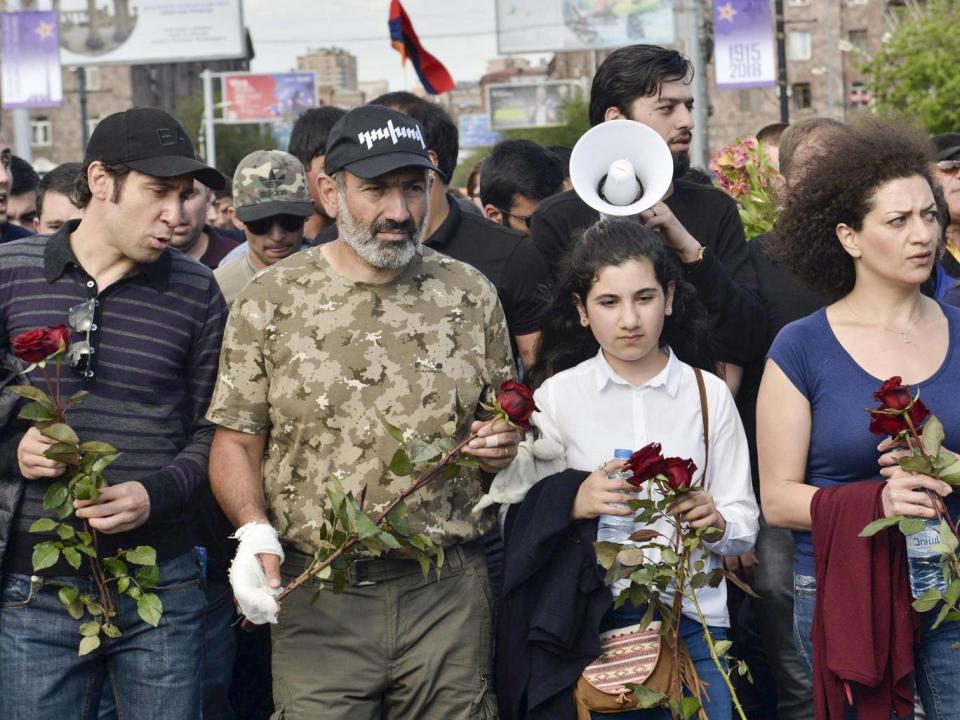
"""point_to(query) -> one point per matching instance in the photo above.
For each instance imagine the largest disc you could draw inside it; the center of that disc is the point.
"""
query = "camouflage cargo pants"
(392, 646)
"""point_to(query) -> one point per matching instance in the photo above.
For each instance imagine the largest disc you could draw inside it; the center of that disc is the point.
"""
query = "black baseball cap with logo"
(947, 145)
(372, 140)
(150, 141)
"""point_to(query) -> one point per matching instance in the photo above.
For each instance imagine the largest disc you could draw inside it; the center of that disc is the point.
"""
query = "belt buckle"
(355, 572)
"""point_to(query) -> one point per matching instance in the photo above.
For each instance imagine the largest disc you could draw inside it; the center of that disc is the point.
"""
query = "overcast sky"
(459, 33)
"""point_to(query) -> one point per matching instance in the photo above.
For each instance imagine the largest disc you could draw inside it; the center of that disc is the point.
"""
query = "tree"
(915, 70)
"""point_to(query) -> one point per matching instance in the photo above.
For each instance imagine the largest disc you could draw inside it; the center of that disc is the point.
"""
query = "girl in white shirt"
(618, 312)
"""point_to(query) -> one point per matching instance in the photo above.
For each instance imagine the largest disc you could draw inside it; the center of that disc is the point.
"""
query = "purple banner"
(31, 60)
(744, 47)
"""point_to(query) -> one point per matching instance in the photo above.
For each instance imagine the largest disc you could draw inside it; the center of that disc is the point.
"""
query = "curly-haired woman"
(863, 226)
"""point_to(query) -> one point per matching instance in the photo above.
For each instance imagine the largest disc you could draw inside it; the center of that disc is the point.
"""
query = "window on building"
(750, 101)
(799, 45)
(41, 132)
(802, 98)
(858, 38)
(92, 76)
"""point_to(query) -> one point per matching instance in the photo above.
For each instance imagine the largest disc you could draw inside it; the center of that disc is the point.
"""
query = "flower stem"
(54, 394)
(716, 658)
(938, 504)
(317, 566)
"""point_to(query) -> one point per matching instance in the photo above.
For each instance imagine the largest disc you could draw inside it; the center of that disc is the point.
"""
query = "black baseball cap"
(946, 145)
(150, 141)
(372, 140)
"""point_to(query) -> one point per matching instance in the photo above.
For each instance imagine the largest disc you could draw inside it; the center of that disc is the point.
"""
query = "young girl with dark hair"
(609, 378)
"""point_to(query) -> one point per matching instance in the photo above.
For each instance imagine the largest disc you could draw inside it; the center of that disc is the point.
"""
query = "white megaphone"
(621, 167)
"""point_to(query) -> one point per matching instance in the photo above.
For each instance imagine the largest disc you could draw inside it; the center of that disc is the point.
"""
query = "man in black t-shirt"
(506, 258)
(651, 85)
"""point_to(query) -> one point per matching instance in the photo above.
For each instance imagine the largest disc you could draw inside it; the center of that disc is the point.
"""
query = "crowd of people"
(238, 341)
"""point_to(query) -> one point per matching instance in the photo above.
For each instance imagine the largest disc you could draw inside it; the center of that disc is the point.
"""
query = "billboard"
(744, 47)
(30, 61)
(276, 98)
(531, 105)
(475, 131)
(560, 25)
(104, 32)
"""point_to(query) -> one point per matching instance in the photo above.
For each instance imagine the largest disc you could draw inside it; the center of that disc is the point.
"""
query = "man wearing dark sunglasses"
(145, 329)
(271, 205)
(947, 149)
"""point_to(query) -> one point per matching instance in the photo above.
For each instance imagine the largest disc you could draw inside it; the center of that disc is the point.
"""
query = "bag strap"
(705, 415)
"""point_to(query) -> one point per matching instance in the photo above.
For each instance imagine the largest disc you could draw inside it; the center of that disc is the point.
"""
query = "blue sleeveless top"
(842, 449)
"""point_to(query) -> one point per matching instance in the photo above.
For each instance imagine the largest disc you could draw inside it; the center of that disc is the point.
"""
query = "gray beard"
(384, 256)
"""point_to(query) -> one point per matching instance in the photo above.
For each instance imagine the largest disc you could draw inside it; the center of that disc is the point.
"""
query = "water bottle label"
(922, 544)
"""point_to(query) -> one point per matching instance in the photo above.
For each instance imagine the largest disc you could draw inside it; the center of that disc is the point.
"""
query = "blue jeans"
(220, 651)
(936, 666)
(716, 701)
(155, 672)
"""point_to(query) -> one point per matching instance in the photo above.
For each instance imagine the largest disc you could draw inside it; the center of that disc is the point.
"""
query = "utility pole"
(782, 63)
(81, 74)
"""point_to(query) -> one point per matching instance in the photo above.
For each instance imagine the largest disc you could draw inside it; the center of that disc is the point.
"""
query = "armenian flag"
(433, 75)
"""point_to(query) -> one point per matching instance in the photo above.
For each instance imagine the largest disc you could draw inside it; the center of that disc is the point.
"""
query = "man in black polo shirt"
(8, 231)
(146, 325)
(507, 259)
(651, 84)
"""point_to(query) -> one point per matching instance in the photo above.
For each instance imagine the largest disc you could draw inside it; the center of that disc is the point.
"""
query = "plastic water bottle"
(613, 528)
(925, 569)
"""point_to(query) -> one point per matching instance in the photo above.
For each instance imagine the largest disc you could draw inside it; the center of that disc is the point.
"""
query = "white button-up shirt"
(591, 411)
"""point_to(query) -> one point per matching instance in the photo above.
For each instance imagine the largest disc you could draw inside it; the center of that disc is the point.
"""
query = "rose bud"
(58, 338)
(645, 463)
(31, 346)
(679, 473)
(516, 401)
(883, 424)
(893, 394)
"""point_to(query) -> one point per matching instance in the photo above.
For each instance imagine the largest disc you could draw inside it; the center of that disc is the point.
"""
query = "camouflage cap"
(268, 183)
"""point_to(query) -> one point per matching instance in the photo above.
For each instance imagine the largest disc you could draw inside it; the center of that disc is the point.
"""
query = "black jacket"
(11, 483)
(554, 599)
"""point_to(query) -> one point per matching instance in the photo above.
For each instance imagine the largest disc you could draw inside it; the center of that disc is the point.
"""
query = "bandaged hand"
(251, 589)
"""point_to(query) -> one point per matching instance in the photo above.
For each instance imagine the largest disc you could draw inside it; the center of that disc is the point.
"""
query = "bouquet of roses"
(743, 170)
(678, 567)
(903, 417)
(346, 524)
(85, 462)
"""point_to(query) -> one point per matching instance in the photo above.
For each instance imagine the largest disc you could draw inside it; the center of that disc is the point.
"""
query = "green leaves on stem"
(112, 576)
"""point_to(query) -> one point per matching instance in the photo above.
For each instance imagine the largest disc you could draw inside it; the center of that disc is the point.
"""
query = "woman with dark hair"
(610, 378)
(862, 227)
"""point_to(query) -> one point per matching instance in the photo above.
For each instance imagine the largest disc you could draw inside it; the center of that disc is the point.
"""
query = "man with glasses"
(145, 330)
(314, 348)
(516, 176)
(270, 205)
(947, 149)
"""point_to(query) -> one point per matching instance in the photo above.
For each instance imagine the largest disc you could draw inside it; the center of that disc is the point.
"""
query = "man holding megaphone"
(651, 85)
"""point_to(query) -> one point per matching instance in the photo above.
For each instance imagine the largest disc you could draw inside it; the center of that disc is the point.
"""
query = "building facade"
(827, 43)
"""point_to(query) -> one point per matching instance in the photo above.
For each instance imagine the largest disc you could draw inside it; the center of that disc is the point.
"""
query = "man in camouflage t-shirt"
(313, 349)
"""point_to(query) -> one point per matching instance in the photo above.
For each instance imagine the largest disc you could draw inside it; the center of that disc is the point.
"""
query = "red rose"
(887, 424)
(30, 346)
(56, 336)
(679, 473)
(893, 394)
(516, 400)
(645, 463)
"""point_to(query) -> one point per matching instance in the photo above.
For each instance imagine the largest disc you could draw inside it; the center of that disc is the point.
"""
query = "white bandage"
(254, 596)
